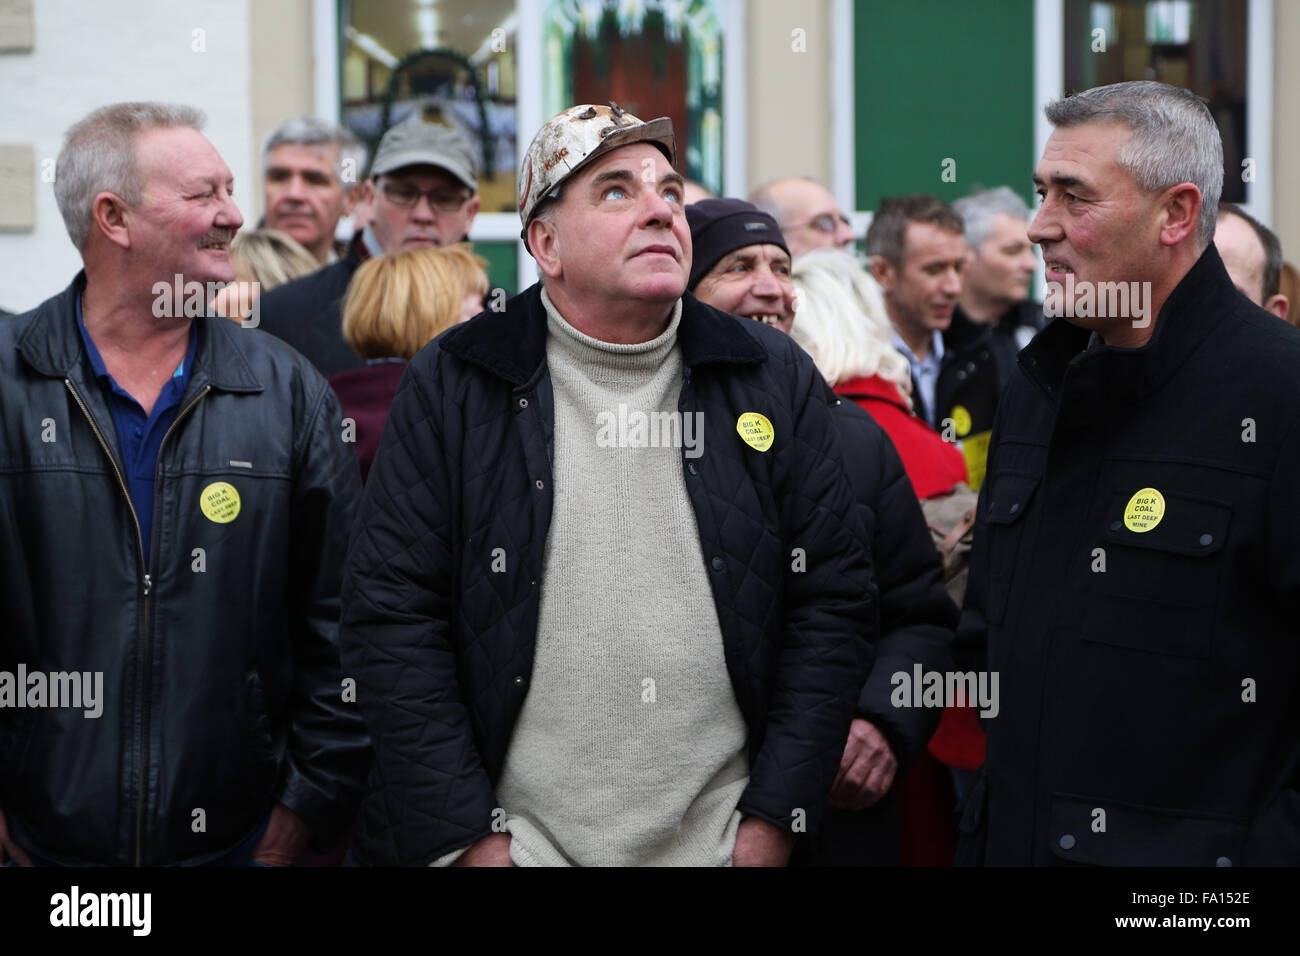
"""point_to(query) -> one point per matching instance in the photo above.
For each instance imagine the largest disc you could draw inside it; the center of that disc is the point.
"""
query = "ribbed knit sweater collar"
(607, 362)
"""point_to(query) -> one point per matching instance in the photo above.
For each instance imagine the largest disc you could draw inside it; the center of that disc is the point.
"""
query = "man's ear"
(1180, 207)
(1278, 305)
(545, 246)
(351, 196)
(883, 272)
(110, 214)
(472, 207)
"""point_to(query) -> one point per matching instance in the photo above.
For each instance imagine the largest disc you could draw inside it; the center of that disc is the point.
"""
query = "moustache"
(217, 237)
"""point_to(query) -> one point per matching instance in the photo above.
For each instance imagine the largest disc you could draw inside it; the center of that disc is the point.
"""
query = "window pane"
(1196, 44)
(653, 58)
(451, 62)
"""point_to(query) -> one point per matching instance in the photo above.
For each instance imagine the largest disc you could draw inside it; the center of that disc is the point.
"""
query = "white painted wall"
(89, 53)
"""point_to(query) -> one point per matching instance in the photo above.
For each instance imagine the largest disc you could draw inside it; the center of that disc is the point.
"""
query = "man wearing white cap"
(421, 193)
(605, 601)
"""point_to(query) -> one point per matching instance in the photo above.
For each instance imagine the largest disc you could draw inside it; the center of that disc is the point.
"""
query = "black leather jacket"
(222, 691)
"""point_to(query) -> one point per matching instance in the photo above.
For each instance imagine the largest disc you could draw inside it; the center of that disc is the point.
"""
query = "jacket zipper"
(146, 588)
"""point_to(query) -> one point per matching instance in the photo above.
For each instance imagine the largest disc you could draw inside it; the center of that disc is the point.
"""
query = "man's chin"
(421, 242)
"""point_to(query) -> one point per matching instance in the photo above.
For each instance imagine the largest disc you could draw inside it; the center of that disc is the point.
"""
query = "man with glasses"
(421, 193)
(808, 214)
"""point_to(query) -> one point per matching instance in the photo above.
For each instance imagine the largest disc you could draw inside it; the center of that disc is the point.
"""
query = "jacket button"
(1114, 526)
(1015, 507)
(717, 564)
(523, 403)
(519, 680)
(1207, 540)
(690, 467)
(540, 484)
(1067, 842)
(1223, 861)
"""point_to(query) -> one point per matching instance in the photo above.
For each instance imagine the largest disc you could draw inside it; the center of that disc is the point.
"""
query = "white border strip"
(735, 99)
(326, 67)
(1259, 108)
(1049, 69)
(843, 119)
(530, 52)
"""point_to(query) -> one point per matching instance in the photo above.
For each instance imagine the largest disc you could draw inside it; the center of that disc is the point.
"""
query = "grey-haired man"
(312, 173)
(422, 192)
(1136, 569)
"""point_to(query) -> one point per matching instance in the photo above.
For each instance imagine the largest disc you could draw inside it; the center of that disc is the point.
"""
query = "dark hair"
(889, 224)
(1272, 248)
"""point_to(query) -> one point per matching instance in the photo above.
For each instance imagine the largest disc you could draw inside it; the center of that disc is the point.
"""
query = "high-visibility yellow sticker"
(755, 430)
(219, 502)
(1144, 510)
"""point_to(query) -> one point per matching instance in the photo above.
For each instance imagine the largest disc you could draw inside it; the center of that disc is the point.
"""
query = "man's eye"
(616, 192)
(674, 195)
(1071, 197)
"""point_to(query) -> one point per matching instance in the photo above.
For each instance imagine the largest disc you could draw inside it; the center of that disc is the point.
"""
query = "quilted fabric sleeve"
(429, 792)
(917, 618)
(829, 609)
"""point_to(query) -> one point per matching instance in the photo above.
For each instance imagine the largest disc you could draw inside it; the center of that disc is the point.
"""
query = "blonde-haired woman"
(842, 323)
(263, 259)
(394, 306)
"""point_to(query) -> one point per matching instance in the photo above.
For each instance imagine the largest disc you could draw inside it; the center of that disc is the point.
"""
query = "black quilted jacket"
(442, 647)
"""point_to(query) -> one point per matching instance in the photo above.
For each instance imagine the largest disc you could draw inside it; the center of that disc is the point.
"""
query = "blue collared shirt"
(139, 436)
(925, 372)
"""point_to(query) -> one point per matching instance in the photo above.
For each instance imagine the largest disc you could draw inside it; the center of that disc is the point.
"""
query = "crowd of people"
(724, 543)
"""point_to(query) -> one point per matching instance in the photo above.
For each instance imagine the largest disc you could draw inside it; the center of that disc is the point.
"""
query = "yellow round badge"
(961, 421)
(755, 431)
(219, 502)
(1144, 510)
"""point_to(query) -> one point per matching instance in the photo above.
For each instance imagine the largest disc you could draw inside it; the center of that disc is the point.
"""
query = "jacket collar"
(51, 344)
(512, 344)
(964, 333)
(1087, 384)
(873, 387)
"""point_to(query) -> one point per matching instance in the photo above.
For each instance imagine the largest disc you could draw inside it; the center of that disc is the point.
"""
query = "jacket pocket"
(258, 727)
(972, 822)
(1008, 502)
(1102, 832)
(1159, 591)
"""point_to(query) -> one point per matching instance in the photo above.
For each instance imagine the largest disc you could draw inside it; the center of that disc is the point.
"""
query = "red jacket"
(932, 465)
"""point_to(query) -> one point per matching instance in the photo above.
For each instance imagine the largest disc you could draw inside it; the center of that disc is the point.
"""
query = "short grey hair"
(311, 131)
(978, 210)
(98, 155)
(1174, 140)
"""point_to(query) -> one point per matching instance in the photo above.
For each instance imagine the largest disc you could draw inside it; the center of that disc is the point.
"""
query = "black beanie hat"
(721, 226)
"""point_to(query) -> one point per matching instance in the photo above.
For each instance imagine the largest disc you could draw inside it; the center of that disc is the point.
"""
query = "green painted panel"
(503, 266)
(938, 80)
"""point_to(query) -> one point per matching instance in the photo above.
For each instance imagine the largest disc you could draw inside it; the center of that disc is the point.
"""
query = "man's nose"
(1044, 227)
(843, 232)
(766, 285)
(423, 209)
(296, 189)
(656, 210)
(952, 281)
(229, 214)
